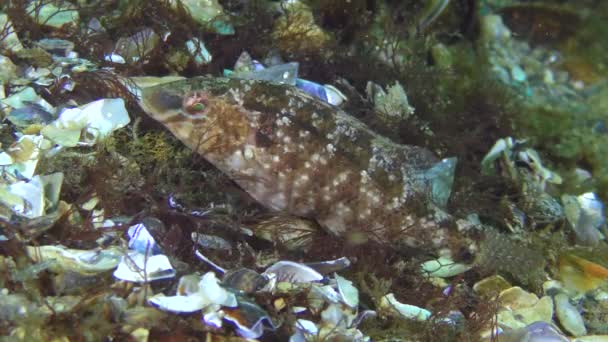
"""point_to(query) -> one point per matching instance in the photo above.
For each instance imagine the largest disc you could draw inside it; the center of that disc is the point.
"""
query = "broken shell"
(35, 198)
(337, 317)
(349, 293)
(138, 267)
(389, 305)
(585, 213)
(330, 266)
(197, 48)
(81, 261)
(208, 294)
(87, 124)
(444, 267)
(319, 295)
(293, 272)
(245, 280)
(211, 241)
(305, 330)
(142, 241)
(137, 46)
(248, 319)
(326, 93)
(188, 284)
(21, 158)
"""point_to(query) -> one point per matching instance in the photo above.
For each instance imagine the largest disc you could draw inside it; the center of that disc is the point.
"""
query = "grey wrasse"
(297, 154)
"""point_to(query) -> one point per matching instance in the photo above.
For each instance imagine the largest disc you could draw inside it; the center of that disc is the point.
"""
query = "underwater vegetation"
(303, 170)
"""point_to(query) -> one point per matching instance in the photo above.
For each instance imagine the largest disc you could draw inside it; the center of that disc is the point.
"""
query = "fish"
(296, 154)
(581, 274)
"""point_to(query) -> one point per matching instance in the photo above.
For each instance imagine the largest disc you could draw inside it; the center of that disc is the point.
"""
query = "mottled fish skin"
(297, 154)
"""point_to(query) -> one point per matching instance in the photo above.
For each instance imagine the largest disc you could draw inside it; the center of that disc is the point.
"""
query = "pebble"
(568, 316)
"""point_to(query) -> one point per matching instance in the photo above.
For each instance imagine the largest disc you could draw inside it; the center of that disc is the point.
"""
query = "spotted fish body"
(296, 154)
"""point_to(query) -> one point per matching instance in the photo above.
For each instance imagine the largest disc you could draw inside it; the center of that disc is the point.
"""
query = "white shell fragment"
(248, 319)
(197, 48)
(293, 272)
(444, 267)
(334, 95)
(585, 213)
(500, 146)
(25, 97)
(114, 58)
(182, 304)
(209, 293)
(136, 267)
(88, 124)
(349, 293)
(334, 315)
(34, 198)
(389, 304)
(322, 294)
(514, 151)
(21, 158)
(304, 329)
(141, 240)
(81, 261)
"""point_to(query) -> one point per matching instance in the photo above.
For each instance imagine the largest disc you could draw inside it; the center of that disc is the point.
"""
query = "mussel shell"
(244, 279)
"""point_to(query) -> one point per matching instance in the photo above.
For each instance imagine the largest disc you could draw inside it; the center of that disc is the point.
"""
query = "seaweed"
(524, 262)
(297, 34)
(89, 86)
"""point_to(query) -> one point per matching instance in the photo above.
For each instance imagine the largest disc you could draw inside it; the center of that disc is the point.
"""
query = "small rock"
(568, 316)
(491, 286)
(140, 334)
(520, 308)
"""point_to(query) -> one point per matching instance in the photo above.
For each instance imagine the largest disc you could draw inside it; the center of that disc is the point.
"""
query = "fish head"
(204, 113)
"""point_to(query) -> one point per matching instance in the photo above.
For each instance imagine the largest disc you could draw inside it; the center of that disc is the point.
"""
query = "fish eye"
(195, 103)
(198, 107)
